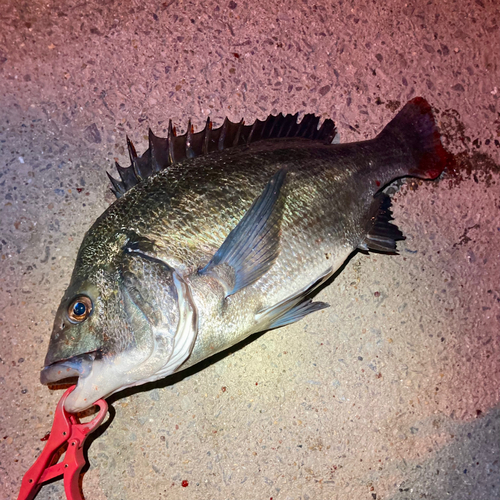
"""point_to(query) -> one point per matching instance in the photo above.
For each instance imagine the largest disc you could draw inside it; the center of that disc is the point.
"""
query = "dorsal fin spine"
(131, 150)
(223, 133)
(206, 136)
(118, 187)
(190, 153)
(170, 143)
(155, 166)
(238, 132)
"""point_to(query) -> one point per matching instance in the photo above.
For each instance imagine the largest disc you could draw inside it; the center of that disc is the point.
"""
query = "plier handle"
(65, 429)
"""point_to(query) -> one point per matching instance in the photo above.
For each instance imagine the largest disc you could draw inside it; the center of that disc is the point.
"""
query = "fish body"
(198, 255)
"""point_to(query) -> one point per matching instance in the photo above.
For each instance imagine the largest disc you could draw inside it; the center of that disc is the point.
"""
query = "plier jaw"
(65, 429)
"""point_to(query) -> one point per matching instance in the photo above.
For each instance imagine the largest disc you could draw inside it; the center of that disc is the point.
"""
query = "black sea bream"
(221, 234)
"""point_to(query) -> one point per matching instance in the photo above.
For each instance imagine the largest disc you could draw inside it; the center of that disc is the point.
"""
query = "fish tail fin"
(415, 127)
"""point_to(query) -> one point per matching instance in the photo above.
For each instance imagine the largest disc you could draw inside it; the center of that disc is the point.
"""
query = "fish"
(223, 233)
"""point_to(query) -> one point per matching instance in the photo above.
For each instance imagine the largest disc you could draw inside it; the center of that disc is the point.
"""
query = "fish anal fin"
(253, 245)
(293, 308)
(381, 235)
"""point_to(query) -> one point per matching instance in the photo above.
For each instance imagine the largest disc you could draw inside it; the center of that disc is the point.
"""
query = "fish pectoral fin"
(293, 308)
(253, 245)
(381, 233)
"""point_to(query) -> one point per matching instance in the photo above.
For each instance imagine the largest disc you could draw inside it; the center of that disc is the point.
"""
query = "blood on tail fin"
(415, 127)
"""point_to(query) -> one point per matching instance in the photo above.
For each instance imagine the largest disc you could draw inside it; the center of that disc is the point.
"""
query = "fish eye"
(79, 309)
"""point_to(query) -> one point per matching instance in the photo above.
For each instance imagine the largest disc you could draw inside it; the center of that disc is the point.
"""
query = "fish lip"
(77, 366)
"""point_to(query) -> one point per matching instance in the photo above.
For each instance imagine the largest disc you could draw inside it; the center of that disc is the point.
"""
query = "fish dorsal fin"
(252, 246)
(381, 233)
(163, 152)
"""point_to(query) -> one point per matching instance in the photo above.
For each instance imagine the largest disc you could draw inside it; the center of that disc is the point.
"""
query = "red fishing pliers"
(65, 429)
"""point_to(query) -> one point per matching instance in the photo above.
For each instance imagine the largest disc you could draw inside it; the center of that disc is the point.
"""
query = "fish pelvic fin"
(381, 233)
(415, 127)
(293, 308)
(163, 152)
(296, 313)
(253, 245)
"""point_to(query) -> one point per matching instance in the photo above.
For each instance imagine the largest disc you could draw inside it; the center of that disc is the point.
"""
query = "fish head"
(122, 322)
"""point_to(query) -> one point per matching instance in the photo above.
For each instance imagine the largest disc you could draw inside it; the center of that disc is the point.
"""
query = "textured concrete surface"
(393, 392)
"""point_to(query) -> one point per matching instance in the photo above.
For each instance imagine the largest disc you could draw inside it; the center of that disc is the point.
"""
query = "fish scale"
(224, 233)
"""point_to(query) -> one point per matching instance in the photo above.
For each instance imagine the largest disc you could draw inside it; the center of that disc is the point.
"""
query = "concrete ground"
(393, 392)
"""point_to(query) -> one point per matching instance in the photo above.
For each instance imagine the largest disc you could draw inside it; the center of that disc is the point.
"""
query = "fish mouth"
(77, 366)
(92, 383)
